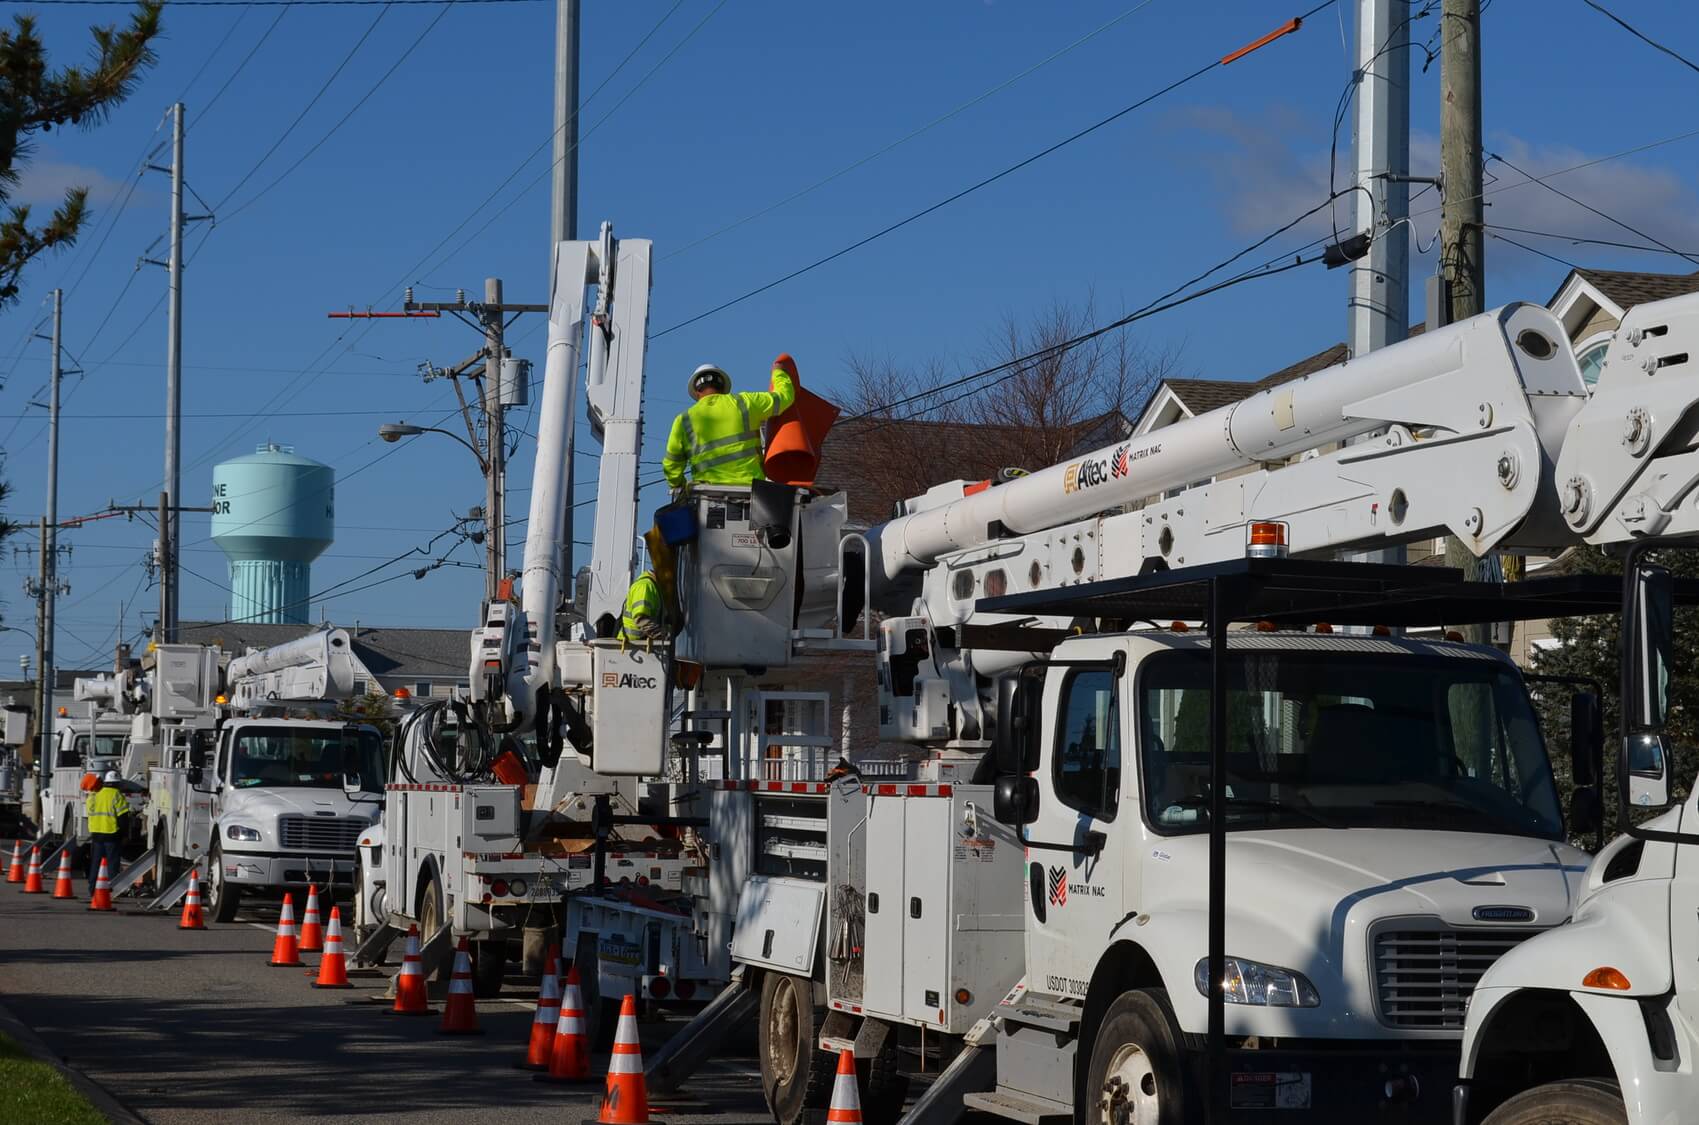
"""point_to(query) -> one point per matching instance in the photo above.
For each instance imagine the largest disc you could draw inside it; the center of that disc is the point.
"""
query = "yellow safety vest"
(719, 438)
(104, 807)
(642, 600)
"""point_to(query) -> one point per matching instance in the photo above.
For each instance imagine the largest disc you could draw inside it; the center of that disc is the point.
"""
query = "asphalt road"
(189, 1027)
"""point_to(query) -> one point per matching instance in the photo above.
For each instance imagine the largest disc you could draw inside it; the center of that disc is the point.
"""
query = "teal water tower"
(273, 513)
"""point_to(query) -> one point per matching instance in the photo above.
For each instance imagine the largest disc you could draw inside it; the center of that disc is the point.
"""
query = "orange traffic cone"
(569, 1056)
(410, 998)
(541, 1047)
(101, 899)
(312, 931)
(32, 885)
(192, 918)
(286, 950)
(459, 1012)
(333, 966)
(846, 1098)
(626, 1101)
(62, 884)
(15, 871)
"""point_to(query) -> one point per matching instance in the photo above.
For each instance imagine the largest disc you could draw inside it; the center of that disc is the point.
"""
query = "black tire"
(884, 1084)
(1134, 1074)
(164, 871)
(489, 965)
(222, 900)
(796, 1075)
(1575, 1102)
(432, 911)
(601, 1013)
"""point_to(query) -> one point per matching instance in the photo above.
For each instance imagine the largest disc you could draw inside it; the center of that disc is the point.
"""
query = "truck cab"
(272, 803)
(76, 753)
(1393, 828)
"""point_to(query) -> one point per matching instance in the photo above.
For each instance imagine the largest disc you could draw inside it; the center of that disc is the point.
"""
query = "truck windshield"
(1347, 740)
(105, 746)
(314, 759)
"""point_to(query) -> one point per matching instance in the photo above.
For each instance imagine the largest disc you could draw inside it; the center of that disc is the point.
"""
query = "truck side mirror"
(1648, 645)
(196, 773)
(1586, 737)
(1648, 770)
(1015, 741)
(1014, 800)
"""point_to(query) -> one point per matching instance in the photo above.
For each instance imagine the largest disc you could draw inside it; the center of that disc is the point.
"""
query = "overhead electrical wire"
(1642, 36)
(241, 67)
(1589, 207)
(1578, 240)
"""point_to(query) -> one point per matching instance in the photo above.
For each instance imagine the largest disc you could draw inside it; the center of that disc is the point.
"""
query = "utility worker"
(643, 618)
(718, 440)
(106, 808)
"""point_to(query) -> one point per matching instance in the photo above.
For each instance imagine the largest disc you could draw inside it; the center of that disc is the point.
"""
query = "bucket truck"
(1146, 869)
(82, 745)
(251, 789)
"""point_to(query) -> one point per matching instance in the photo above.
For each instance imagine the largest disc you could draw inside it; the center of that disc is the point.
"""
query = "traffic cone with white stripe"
(101, 899)
(15, 871)
(569, 1055)
(192, 918)
(311, 939)
(286, 949)
(333, 966)
(62, 884)
(846, 1097)
(410, 997)
(32, 885)
(541, 1047)
(626, 1101)
(459, 1011)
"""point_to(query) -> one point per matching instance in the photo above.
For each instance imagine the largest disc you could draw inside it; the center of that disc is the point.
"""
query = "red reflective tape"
(917, 791)
(945, 790)
(799, 787)
(886, 790)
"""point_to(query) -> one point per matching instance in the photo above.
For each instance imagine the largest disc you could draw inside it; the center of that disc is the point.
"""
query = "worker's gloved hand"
(786, 364)
(677, 494)
(651, 629)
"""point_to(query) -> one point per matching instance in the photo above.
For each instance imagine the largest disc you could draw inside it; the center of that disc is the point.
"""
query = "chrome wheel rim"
(783, 1034)
(1129, 1092)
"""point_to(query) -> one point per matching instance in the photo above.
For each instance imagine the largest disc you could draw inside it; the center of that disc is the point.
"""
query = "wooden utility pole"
(1462, 267)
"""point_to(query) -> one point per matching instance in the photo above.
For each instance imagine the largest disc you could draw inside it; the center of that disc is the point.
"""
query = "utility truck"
(1150, 873)
(91, 744)
(263, 797)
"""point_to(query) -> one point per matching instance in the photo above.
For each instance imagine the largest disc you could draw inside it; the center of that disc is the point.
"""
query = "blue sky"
(727, 109)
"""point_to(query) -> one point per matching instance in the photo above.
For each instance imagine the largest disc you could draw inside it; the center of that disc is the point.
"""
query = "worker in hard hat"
(106, 808)
(718, 440)
(644, 617)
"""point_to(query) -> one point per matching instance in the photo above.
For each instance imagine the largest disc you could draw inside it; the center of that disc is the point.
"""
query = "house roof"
(1203, 395)
(1627, 288)
(390, 653)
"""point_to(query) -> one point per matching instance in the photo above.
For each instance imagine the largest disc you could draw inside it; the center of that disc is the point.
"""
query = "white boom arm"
(316, 668)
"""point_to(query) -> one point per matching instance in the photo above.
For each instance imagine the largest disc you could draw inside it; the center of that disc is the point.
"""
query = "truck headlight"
(244, 833)
(1251, 982)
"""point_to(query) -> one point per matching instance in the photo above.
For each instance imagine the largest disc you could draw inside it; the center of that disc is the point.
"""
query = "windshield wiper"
(1306, 813)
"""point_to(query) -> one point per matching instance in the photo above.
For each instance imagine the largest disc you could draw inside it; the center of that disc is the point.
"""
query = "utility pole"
(50, 537)
(563, 215)
(170, 524)
(495, 439)
(1378, 309)
(1462, 267)
(43, 673)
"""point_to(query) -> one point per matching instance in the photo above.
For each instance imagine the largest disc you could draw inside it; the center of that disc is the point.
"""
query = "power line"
(1589, 207)
(283, 10)
(217, 50)
(1578, 240)
(1491, 233)
(963, 193)
(1642, 36)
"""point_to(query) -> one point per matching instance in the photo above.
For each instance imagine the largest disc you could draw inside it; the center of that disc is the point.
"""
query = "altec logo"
(1090, 474)
(627, 680)
(1058, 886)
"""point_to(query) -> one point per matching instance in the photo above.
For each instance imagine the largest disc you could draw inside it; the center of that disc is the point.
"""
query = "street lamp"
(395, 431)
(493, 539)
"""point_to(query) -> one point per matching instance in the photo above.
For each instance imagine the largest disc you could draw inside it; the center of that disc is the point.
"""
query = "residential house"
(427, 662)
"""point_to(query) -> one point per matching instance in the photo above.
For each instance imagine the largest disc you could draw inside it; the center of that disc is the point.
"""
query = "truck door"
(1075, 896)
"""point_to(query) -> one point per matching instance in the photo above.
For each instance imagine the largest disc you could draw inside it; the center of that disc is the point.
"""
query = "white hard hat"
(111, 777)
(708, 374)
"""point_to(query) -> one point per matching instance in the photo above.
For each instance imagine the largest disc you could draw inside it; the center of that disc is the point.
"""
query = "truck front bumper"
(281, 869)
(1337, 1080)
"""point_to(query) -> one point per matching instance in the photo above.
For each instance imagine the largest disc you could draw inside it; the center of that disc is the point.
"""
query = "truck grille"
(1423, 978)
(321, 833)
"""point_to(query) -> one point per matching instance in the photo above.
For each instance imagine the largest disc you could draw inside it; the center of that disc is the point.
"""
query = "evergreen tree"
(35, 98)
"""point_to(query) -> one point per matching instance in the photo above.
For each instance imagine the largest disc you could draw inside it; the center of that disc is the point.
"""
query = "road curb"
(99, 1096)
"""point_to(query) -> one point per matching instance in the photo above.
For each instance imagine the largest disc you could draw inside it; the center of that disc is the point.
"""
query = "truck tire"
(433, 911)
(1580, 1101)
(222, 900)
(884, 1084)
(163, 874)
(489, 964)
(796, 1075)
(1134, 1074)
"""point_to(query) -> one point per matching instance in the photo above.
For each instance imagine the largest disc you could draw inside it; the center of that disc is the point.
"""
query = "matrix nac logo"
(1058, 886)
(627, 680)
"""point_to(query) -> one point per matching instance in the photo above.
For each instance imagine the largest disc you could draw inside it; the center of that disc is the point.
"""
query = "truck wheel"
(884, 1085)
(1134, 1074)
(489, 963)
(796, 1075)
(433, 912)
(222, 900)
(1577, 1102)
(162, 873)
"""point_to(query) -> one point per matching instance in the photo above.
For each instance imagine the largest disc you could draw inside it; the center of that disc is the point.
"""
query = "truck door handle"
(914, 907)
(873, 903)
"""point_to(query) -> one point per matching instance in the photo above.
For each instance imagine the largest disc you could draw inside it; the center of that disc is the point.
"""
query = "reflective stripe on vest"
(103, 808)
(736, 446)
(642, 600)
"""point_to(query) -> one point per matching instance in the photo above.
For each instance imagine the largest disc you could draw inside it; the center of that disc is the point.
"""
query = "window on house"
(1592, 361)
(1088, 759)
(362, 689)
(422, 689)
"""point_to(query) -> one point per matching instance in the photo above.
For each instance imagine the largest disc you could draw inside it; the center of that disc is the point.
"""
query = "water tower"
(273, 513)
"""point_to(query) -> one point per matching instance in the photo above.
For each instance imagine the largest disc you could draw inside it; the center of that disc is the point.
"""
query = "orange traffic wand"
(541, 1047)
(62, 884)
(569, 1057)
(311, 939)
(101, 899)
(459, 1011)
(192, 918)
(846, 1098)
(286, 950)
(626, 1101)
(410, 998)
(32, 885)
(333, 966)
(15, 871)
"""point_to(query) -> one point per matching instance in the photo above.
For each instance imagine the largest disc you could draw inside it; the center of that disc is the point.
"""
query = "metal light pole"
(171, 527)
(563, 213)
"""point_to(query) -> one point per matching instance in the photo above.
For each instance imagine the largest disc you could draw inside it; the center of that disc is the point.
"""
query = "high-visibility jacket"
(104, 807)
(642, 600)
(719, 438)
